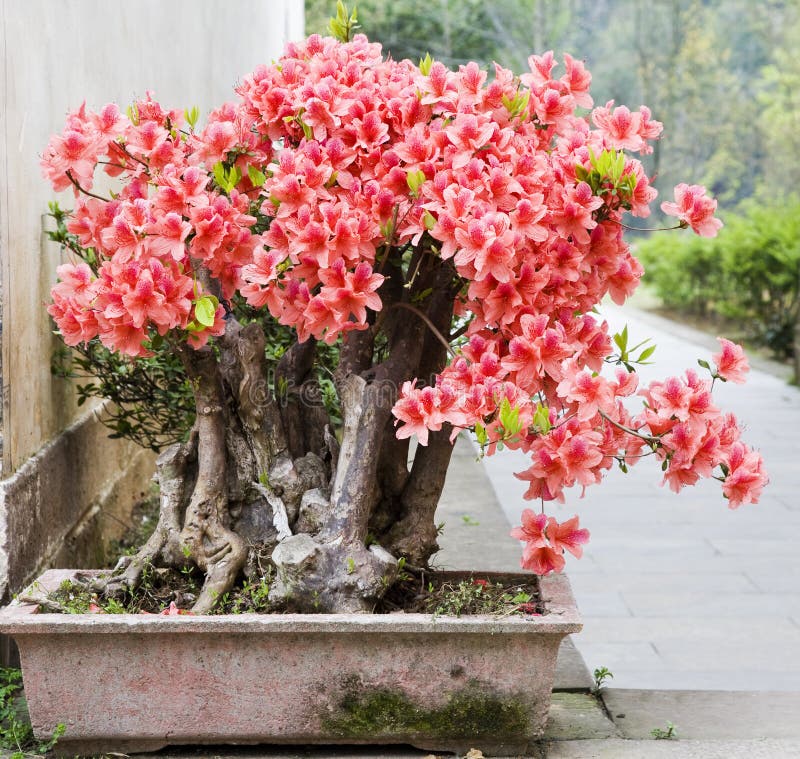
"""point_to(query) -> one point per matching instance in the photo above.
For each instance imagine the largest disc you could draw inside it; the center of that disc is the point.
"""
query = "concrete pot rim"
(23, 617)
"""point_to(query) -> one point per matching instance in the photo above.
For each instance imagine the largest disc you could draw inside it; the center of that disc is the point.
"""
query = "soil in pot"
(415, 591)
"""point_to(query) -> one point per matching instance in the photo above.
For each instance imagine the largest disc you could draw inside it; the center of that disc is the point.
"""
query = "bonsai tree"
(449, 234)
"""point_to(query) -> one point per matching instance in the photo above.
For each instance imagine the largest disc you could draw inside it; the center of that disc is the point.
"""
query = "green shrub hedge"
(749, 273)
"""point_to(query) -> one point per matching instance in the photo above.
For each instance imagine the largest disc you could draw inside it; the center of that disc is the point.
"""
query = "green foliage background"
(749, 275)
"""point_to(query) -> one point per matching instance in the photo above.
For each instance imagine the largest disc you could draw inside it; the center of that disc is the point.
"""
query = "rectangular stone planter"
(132, 683)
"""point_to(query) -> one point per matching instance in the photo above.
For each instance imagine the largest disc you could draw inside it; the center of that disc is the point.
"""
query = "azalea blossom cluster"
(139, 279)
(337, 163)
(546, 541)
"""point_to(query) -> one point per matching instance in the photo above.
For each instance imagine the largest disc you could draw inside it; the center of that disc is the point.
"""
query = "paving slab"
(679, 749)
(572, 674)
(706, 715)
(669, 582)
(737, 679)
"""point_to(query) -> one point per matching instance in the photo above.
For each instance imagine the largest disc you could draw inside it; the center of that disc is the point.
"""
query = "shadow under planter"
(141, 682)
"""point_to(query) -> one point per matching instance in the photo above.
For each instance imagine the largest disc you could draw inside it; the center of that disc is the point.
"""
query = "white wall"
(57, 54)
(189, 52)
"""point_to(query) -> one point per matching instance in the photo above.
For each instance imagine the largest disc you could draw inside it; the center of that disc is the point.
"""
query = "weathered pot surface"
(128, 682)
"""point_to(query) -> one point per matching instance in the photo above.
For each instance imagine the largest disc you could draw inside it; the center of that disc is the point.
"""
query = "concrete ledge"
(578, 716)
(65, 503)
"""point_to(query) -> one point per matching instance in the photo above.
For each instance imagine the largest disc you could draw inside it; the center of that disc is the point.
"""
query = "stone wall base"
(64, 505)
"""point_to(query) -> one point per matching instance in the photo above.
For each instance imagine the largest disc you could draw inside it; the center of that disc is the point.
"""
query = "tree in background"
(779, 113)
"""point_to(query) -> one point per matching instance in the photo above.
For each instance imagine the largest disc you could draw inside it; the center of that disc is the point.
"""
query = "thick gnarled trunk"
(260, 475)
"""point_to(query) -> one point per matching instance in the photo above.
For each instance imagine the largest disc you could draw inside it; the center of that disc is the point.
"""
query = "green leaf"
(387, 229)
(704, 364)
(133, 114)
(621, 340)
(415, 179)
(191, 116)
(429, 220)
(425, 64)
(480, 435)
(516, 105)
(204, 310)
(220, 175)
(257, 177)
(541, 418)
(646, 353)
(509, 417)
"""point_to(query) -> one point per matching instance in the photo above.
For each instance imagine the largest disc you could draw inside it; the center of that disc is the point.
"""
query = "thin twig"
(647, 438)
(682, 225)
(85, 192)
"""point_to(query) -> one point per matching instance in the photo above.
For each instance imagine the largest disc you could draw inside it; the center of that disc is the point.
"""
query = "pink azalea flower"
(591, 393)
(577, 79)
(746, 477)
(620, 127)
(731, 362)
(695, 209)
(412, 411)
(532, 530)
(580, 455)
(567, 536)
(173, 611)
(543, 560)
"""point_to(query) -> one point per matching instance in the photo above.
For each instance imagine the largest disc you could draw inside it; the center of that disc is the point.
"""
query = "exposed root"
(280, 517)
(330, 577)
(174, 472)
(219, 552)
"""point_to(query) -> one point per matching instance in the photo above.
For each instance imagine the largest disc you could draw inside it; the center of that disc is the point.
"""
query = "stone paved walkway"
(677, 591)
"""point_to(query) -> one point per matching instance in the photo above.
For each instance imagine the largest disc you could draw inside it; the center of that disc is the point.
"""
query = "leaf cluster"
(344, 23)
(607, 176)
(668, 733)
(153, 402)
(601, 674)
(626, 355)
